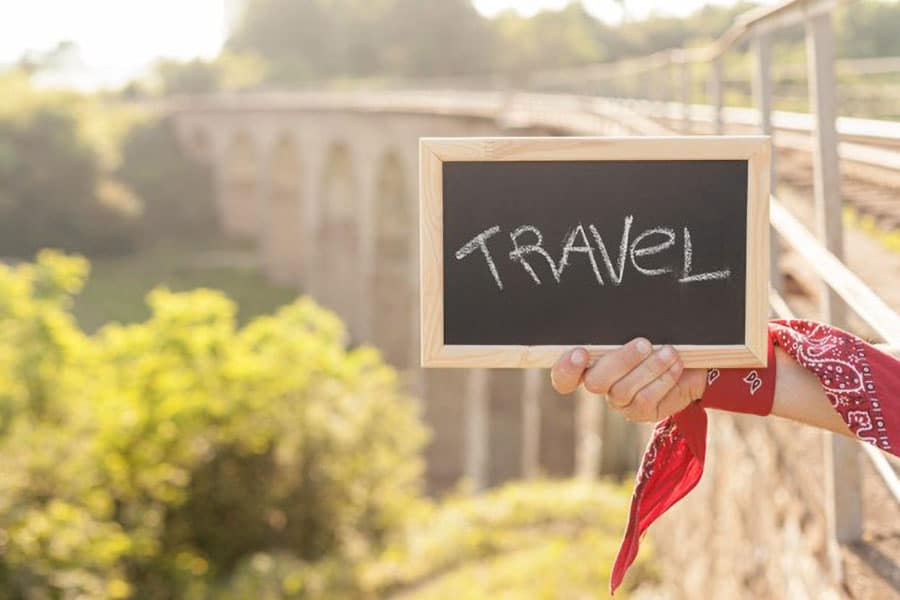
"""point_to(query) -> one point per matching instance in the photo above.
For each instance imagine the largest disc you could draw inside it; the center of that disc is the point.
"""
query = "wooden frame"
(433, 152)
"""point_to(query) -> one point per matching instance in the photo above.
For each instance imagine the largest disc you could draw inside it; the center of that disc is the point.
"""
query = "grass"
(524, 541)
(890, 239)
(116, 288)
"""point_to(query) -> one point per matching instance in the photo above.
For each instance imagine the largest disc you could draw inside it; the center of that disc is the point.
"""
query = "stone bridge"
(326, 185)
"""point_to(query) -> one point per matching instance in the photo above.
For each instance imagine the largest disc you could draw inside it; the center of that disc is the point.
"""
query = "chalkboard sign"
(531, 246)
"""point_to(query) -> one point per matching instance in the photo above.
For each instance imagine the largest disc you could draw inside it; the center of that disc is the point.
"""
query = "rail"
(821, 252)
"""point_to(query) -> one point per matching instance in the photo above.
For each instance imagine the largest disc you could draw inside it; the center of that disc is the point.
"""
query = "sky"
(118, 40)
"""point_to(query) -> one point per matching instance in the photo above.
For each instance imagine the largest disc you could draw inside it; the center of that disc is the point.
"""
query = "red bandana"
(860, 381)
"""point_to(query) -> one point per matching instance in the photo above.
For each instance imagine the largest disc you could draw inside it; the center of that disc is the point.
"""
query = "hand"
(645, 385)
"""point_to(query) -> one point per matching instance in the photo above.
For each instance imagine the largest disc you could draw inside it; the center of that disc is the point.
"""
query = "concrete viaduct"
(326, 185)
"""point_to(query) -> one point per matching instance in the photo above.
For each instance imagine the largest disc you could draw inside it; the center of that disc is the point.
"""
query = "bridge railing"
(651, 77)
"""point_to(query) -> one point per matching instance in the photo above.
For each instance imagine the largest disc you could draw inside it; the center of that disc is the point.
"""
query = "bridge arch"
(200, 142)
(240, 216)
(393, 281)
(282, 239)
(338, 274)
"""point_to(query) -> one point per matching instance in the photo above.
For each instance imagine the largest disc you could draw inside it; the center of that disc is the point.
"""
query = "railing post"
(762, 98)
(531, 423)
(477, 428)
(684, 67)
(843, 498)
(716, 95)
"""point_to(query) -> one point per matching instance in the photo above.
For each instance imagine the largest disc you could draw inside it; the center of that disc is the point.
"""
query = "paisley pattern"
(861, 383)
(753, 381)
(839, 360)
(664, 434)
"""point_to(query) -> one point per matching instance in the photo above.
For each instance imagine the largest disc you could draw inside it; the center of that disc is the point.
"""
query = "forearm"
(799, 397)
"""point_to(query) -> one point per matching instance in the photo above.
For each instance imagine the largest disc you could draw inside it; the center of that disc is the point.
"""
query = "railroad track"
(869, 191)
(870, 164)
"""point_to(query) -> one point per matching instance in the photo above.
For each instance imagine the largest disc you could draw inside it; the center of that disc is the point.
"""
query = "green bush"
(154, 460)
(184, 457)
(524, 541)
(534, 540)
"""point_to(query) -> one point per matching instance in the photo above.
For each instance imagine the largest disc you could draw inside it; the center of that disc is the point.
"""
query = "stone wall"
(754, 527)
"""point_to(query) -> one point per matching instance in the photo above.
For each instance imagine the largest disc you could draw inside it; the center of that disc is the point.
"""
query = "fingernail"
(667, 353)
(579, 357)
(643, 346)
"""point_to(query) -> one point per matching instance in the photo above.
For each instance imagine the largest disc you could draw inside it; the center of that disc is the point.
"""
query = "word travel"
(528, 250)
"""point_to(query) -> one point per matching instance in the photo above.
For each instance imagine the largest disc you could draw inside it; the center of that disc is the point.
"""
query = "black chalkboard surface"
(592, 242)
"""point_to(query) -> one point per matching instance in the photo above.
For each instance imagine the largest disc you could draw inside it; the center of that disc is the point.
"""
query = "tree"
(53, 188)
(176, 193)
(326, 39)
(229, 71)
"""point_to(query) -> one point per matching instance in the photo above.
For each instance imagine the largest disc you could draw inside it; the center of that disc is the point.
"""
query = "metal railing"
(823, 252)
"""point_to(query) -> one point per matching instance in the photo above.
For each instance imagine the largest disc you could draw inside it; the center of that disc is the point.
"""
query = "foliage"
(55, 189)
(185, 457)
(520, 539)
(328, 39)
(151, 459)
(318, 39)
(176, 192)
(544, 539)
(79, 173)
(117, 286)
(229, 71)
(550, 38)
(868, 29)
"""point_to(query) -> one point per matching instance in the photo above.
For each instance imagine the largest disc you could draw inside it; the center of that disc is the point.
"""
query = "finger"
(567, 372)
(613, 366)
(622, 393)
(690, 387)
(648, 401)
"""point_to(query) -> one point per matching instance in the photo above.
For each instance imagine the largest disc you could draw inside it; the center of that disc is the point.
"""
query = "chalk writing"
(648, 243)
(480, 241)
(585, 248)
(686, 276)
(519, 253)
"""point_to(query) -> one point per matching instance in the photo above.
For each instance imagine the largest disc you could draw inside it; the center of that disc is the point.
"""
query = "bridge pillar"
(367, 163)
(262, 200)
(531, 423)
(393, 274)
(337, 271)
(506, 393)
(243, 198)
(219, 173)
(281, 238)
(314, 153)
